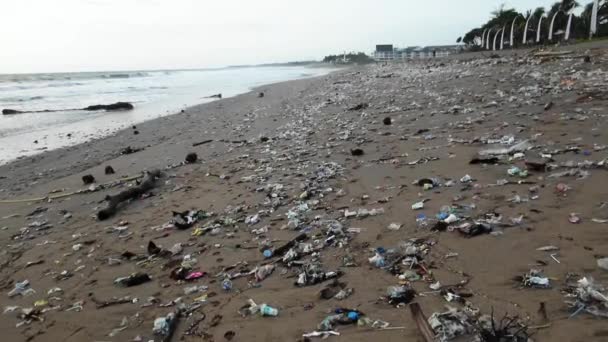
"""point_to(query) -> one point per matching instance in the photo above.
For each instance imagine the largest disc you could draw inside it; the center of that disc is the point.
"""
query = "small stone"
(191, 158)
(88, 179)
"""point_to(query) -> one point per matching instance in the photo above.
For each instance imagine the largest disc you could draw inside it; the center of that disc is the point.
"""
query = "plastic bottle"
(421, 221)
(377, 260)
(227, 285)
(266, 310)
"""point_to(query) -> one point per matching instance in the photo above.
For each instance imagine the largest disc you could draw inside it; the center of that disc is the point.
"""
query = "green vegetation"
(503, 17)
(351, 58)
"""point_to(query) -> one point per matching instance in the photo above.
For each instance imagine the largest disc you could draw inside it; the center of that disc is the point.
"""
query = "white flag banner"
(568, 26)
(540, 21)
(593, 29)
(512, 32)
(488, 40)
(525, 40)
(551, 26)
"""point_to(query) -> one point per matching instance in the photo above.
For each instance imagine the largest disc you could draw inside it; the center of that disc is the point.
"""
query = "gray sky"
(83, 35)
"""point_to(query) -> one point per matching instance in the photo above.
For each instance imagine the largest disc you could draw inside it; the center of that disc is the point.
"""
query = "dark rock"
(264, 139)
(135, 132)
(387, 121)
(88, 179)
(485, 160)
(424, 181)
(359, 107)
(109, 170)
(111, 107)
(229, 335)
(129, 150)
(587, 59)
(191, 158)
(10, 111)
(153, 249)
(356, 152)
(261, 94)
(536, 165)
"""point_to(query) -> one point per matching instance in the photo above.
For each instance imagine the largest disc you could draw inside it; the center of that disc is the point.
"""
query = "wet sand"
(462, 102)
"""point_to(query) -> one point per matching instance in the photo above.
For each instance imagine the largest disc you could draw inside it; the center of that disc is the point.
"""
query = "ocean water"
(153, 93)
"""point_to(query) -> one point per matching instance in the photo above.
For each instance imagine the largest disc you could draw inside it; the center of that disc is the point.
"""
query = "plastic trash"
(534, 279)
(227, 285)
(342, 317)
(195, 275)
(590, 298)
(21, 289)
(394, 226)
(516, 171)
(267, 310)
(263, 272)
(603, 263)
(466, 179)
(133, 280)
(574, 218)
(450, 324)
(418, 205)
(251, 308)
(322, 334)
(343, 294)
(377, 260)
(451, 219)
(421, 221)
(400, 294)
(195, 289)
(162, 325)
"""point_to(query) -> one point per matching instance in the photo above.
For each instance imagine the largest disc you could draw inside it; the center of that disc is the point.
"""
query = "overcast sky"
(87, 35)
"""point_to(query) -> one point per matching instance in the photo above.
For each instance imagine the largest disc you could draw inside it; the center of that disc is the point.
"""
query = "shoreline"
(125, 136)
(154, 94)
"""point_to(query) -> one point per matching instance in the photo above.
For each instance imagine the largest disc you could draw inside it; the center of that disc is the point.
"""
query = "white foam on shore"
(154, 94)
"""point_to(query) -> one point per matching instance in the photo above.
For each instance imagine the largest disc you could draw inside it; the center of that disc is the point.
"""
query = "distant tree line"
(503, 18)
(350, 58)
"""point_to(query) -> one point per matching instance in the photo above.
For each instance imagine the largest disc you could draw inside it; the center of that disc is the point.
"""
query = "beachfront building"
(385, 53)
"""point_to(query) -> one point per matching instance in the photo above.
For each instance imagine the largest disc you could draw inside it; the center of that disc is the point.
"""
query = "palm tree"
(538, 12)
(568, 5)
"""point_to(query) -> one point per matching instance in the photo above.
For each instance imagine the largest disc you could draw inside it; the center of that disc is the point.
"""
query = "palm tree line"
(510, 28)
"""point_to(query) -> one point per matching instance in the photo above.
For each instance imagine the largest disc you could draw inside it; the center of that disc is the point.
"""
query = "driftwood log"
(422, 323)
(118, 106)
(113, 201)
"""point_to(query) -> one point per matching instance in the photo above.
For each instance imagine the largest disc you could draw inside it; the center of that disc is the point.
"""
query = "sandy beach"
(287, 163)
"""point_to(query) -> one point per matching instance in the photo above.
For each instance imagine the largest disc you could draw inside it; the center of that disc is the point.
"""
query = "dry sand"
(308, 124)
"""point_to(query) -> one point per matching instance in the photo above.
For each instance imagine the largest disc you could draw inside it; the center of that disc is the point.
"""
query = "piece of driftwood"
(118, 106)
(202, 142)
(553, 53)
(51, 197)
(422, 323)
(113, 201)
(115, 301)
